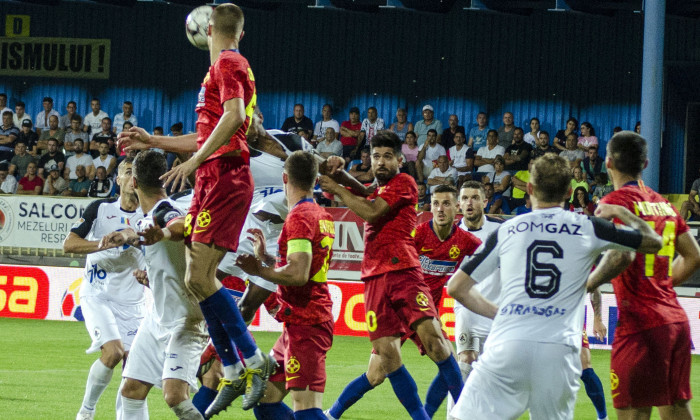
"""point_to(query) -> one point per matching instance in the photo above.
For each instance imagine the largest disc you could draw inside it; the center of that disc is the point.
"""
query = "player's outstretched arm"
(651, 241)
(136, 138)
(295, 273)
(461, 287)
(614, 262)
(119, 238)
(368, 210)
(688, 259)
(76, 245)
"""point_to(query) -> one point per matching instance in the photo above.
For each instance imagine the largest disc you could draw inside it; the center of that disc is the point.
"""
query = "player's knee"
(133, 389)
(173, 397)
(376, 377)
(112, 354)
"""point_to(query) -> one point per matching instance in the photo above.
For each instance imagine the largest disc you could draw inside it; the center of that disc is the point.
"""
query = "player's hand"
(258, 239)
(135, 138)
(333, 165)
(113, 240)
(141, 277)
(249, 264)
(328, 185)
(151, 235)
(608, 211)
(599, 329)
(178, 175)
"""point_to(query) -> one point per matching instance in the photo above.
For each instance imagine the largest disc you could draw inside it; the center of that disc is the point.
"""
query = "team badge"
(422, 299)
(454, 252)
(614, 383)
(463, 338)
(203, 219)
(293, 365)
(97, 333)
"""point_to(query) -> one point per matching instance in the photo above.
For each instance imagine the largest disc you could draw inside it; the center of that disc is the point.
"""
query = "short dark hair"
(302, 169)
(446, 189)
(7, 113)
(158, 128)
(476, 185)
(128, 103)
(47, 99)
(227, 19)
(546, 133)
(432, 130)
(372, 107)
(18, 142)
(575, 121)
(20, 103)
(534, 119)
(519, 128)
(551, 177)
(72, 102)
(492, 131)
(301, 105)
(386, 138)
(177, 126)
(4, 95)
(411, 132)
(52, 139)
(76, 117)
(78, 140)
(628, 151)
(366, 150)
(148, 167)
(94, 99)
(107, 118)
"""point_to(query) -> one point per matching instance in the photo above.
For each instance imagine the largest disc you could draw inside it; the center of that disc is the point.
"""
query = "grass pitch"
(43, 368)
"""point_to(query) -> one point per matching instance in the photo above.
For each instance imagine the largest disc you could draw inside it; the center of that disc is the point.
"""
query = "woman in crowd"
(500, 179)
(560, 138)
(580, 202)
(410, 151)
(588, 137)
(534, 134)
(579, 181)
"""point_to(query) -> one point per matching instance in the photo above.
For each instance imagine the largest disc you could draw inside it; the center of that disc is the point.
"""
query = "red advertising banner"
(24, 292)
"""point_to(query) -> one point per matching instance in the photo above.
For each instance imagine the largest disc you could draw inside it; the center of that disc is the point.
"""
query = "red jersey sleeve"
(401, 191)
(300, 227)
(229, 77)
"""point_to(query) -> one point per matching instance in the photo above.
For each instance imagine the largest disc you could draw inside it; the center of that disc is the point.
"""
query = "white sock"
(232, 372)
(187, 411)
(97, 381)
(134, 409)
(466, 369)
(119, 403)
(254, 359)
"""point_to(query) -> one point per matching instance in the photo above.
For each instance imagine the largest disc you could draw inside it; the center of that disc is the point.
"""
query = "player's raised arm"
(75, 242)
(136, 138)
(461, 287)
(651, 241)
(369, 210)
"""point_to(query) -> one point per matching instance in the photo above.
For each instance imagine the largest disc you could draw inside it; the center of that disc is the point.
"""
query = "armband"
(299, 245)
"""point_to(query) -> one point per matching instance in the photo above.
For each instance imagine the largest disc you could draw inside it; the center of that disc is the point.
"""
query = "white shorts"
(245, 246)
(517, 375)
(161, 353)
(107, 321)
(471, 330)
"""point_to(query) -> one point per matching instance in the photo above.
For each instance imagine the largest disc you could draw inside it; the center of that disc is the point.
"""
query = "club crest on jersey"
(293, 365)
(463, 338)
(454, 252)
(97, 333)
(203, 219)
(78, 223)
(422, 299)
(614, 383)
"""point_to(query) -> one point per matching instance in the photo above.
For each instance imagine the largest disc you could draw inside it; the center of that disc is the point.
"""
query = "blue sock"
(407, 392)
(310, 414)
(225, 308)
(203, 398)
(273, 411)
(350, 395)
(437, 391)
(449, 370)
(595, 392)
(219, 337)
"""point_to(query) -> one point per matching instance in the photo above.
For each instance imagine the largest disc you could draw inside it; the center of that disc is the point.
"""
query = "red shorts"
(302, 349)
(222, 195)
(436, 294)
(395, 300)
(651, 367)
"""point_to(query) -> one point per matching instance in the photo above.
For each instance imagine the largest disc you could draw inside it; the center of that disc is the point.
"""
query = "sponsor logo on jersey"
(293, 365)
(423, 249)
(436, 267)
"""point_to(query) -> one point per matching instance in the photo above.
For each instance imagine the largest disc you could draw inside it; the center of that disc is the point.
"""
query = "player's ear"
(646, 163)
(285, 178)
(608, 162)
(531, 189)
(241, 37)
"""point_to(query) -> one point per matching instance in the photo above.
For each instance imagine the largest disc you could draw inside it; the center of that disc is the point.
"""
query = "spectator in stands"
(28, 137)
(519, 182)
(101, 186)
(54, 183)
(429, 154)
(52, 132)
(370, 126)
(363, 170)
(42, 118)
(578, 180)
(79, 186)
(442, 174)
(588, 137)
(428, 122)
(127, 114)
(602, 188)
(461, 158)
(638, 127)
(121, 154)
(52, 157)
(20, 115)
(592, 165)
(350, 133)
(157, 131)
(8, 136)
(326, 122)
(401, 127)
(64, 122)
(486, 155)
(20, 161)
(617, 129)
(410, 151)
(8, 184)
(478, 134)
(493, 204)
(691, 207)
(3, 104)
(518, 154)
(580, 202)
(531, 137)
(298, 121)
(560, 139)
(106, 135)
(525, 208)
(330, 146)
(30, 183)
(572, 153)
(448, 134)
(175, 131)
(73, 134)
(423, 198)
(543, 146)
(105, 160)
(500, 178)
(506, 131)
(92, 123)
(79, 158)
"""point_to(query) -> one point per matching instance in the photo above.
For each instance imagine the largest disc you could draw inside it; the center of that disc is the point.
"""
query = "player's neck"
(619, 179)
(148, 201)
(476, 224)
(442, 232)
(128, 202)
(296, 195)
(222, 45)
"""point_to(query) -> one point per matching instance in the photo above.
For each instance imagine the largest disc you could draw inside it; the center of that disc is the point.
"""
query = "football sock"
(97, 381)
(233, 371)
(310, 414)
(350, 395)
(595, 392)
(257, 357)
(219, 337)
(277, 411)
(203, 398)
(187, 411)
(119, 403)
(466, 369)
(437, 391)
(407, 392)
(134, 409)
(224, 307)
(449, 370)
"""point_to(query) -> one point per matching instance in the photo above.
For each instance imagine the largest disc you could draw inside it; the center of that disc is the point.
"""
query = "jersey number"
(668, 250)
(536, 269)
(321, 275)
(96, 272)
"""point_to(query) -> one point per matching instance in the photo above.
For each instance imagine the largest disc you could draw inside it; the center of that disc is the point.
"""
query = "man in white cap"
(421, 128)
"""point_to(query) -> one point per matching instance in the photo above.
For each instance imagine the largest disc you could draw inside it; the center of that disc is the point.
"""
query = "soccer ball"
(70, 303)
(197, 25)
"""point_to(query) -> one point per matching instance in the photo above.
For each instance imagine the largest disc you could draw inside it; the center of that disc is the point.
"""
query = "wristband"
(166, 233)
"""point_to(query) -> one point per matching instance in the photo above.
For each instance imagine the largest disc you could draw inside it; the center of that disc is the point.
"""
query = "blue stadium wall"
(549, 65)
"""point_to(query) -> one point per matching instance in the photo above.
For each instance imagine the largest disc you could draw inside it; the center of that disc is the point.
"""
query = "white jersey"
(109, 273)
(165, 264)
(490, 287)
(545, 258)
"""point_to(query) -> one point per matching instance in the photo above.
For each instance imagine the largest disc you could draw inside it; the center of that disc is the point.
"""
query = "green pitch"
(43, 367)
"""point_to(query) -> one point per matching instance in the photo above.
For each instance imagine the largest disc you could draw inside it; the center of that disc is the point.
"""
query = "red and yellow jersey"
(389, 242)
(308, 228)
(228, 78)
(439, 259)
(644, 291)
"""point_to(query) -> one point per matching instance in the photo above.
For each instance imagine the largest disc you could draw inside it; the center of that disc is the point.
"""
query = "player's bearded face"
(385, 164)
(472, 204)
